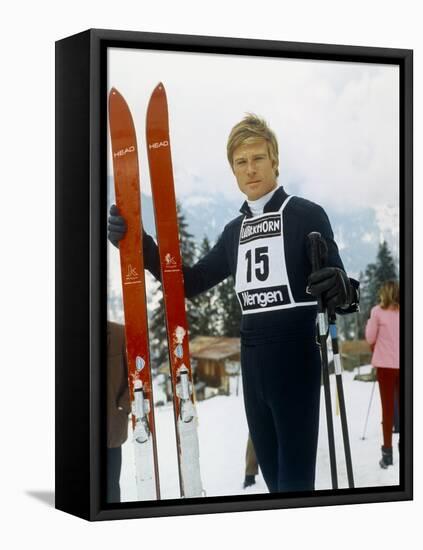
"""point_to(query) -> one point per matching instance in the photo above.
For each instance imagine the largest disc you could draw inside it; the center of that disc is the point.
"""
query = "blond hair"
(389, 295)
(249, 130)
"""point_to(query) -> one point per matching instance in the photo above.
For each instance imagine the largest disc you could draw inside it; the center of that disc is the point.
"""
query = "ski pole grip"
(315, 239)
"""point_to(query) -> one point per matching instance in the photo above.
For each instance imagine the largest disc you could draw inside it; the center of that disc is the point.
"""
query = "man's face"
(253, 169)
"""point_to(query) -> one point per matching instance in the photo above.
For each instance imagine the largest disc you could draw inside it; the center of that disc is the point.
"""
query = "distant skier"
(265, 251)
(382, 333)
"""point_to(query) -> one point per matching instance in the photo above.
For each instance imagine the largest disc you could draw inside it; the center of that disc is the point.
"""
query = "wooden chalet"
(214, 360)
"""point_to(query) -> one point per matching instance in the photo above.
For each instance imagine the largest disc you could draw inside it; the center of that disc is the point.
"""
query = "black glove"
(116, 227)
(333, 285)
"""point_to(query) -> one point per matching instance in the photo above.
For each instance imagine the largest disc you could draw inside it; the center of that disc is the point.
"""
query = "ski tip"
(113, 92)
(159, 89)
(158, 94)
(116, 98)
(113, 96)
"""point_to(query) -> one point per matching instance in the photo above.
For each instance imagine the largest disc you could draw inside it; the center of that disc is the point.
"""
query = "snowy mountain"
(357, 232)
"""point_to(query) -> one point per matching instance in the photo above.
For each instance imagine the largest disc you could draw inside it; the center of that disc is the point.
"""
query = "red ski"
(128, 200)
(162, 185)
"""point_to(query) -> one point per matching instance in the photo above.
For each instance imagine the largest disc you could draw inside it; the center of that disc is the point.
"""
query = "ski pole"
(368, 411)
(315, 240)
(340, 388)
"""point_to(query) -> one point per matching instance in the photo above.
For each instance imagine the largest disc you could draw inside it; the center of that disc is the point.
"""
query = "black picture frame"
(81, 286)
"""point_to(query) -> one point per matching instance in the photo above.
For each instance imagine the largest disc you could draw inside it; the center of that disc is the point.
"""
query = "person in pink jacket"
(382, 333)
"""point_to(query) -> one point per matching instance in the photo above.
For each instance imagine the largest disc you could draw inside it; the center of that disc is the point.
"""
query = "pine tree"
(186, 239)
(189, 256)
(369, 286)
(376, 274)
(371, 281)
(157, 325)
(385, 265)
(229, 309)
(207, 303)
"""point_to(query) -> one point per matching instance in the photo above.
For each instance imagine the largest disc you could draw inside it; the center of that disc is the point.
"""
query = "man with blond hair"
(265, 251)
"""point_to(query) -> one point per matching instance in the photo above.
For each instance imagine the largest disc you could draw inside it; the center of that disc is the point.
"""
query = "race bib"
(261, 281)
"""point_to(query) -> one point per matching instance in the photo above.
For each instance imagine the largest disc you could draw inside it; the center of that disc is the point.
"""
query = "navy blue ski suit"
(280, 358)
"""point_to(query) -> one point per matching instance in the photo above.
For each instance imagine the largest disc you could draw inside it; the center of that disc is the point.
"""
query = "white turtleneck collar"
(258, 205)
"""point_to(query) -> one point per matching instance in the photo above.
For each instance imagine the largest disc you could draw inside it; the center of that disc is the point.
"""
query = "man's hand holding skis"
(116, 227)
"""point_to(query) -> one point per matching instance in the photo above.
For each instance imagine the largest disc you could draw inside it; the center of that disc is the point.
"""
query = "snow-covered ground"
(223, 436)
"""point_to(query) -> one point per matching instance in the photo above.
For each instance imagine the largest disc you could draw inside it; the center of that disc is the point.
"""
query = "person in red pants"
(382, 333)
